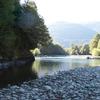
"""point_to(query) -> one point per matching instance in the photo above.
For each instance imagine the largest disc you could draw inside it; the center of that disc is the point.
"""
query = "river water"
(51, 65)
(44, 66)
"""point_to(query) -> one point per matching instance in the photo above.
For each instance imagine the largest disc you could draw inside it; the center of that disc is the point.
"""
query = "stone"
(47, 87)
(77, 84)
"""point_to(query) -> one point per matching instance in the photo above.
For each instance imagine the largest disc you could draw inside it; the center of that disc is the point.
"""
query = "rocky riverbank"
(77, 84)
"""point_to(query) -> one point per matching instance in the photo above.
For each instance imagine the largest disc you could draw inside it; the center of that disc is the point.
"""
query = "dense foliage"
(36, 52)
(52, 49)
(7, 35)
(95, 45)
(92, 48)
(21, 29)
(78, 49)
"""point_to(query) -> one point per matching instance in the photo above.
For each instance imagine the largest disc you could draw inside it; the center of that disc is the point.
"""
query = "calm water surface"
(44, 66)
(50, 65)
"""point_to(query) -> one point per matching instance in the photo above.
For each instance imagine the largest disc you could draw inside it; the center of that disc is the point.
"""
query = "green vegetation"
(52, 49)
(21, 29)
(96, 52)
(36, 52)
(92, 48)
(7, 34)
(78, 49)
(95, 45)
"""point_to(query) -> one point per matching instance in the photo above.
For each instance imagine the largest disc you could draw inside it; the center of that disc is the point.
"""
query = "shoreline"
(70, 56)
(10, 63)
(77, 84)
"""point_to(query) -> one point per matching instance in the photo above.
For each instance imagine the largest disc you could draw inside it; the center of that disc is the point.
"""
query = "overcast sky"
(74, 11)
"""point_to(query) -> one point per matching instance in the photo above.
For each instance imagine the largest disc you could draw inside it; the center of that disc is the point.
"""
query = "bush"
(52, 49)
(96, 52)
(36, 52)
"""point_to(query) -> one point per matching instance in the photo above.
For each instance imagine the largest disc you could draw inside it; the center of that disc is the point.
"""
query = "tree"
(96, 52)
(32, 30)
(74, 50)
(94, 42)
(78, 49)
(7, 35)
(98, 44)
(52, 49)
(21, 29)
(36, 52)
(84, 50)
(6, 14)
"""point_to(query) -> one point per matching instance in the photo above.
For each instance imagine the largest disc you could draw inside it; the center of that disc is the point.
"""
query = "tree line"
(95, 45)
(92, 48)
(21, 29)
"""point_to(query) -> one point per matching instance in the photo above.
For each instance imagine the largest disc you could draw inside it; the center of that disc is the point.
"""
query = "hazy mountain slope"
(68, 33)
(95, 26)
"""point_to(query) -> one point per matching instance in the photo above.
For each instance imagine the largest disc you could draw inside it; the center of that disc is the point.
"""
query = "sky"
(72, 11)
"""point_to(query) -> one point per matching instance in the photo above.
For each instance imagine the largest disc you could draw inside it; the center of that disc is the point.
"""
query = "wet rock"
(47, 87)
(77, 84)
(21, 90)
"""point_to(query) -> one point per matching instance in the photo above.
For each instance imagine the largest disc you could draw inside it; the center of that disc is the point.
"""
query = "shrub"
(96, 52)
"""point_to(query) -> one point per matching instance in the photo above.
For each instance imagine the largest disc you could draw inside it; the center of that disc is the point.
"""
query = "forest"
(21, 29)
(91, 48)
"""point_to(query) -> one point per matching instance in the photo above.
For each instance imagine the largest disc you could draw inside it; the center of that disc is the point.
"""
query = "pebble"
(47, 87)
(77, 84)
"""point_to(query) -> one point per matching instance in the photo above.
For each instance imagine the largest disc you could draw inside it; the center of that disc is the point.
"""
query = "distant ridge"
(95, 26)
(67, 33)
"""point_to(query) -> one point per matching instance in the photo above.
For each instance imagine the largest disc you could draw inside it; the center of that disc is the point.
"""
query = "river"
(51, 65)
(44, 66)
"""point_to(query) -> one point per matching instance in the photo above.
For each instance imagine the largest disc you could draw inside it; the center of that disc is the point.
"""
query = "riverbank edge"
(8, 63)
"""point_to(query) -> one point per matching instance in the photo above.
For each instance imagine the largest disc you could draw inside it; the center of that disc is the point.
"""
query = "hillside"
(68, 33)
(95, 26)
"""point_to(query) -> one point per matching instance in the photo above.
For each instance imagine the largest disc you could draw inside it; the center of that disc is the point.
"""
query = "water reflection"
(43, 66)
(17, 74)
(51, 65)
(94, 63)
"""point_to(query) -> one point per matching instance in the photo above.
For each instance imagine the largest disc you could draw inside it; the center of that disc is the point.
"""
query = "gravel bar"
(77, 84)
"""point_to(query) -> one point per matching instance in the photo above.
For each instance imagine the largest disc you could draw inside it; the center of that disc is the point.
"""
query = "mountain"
(95, 26)
(68, 33)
